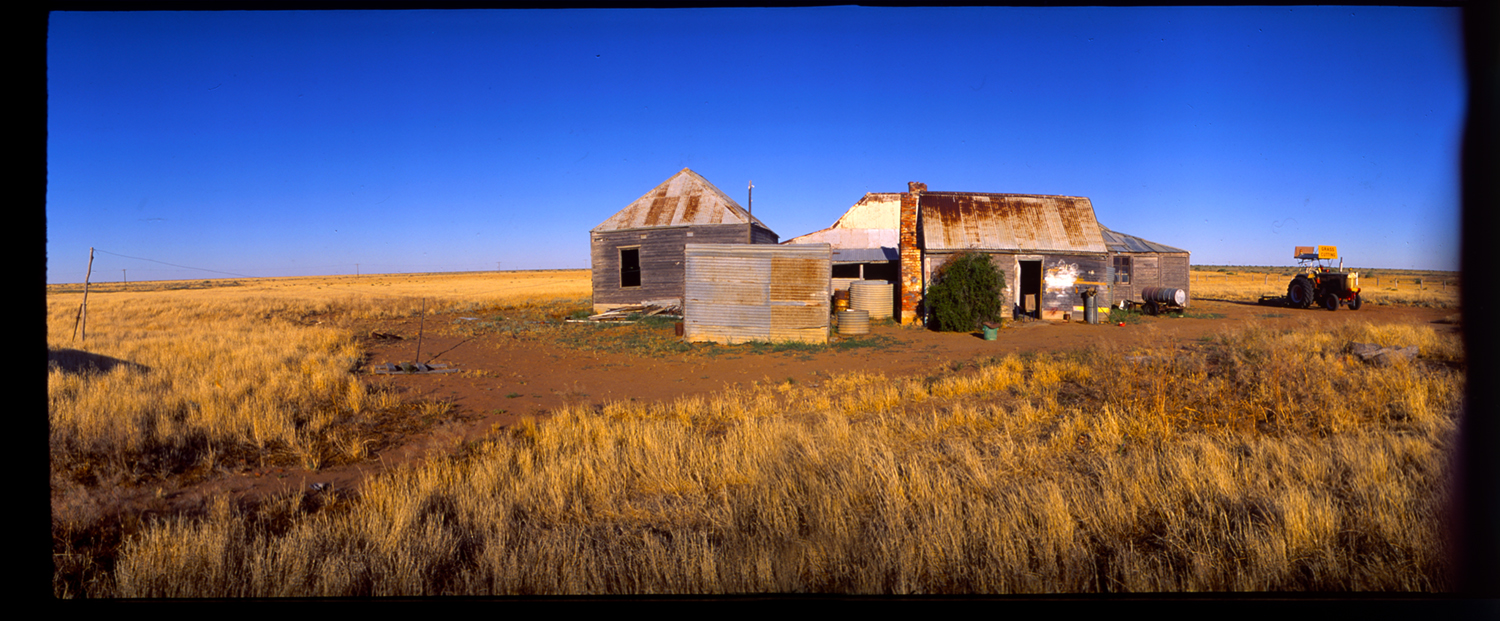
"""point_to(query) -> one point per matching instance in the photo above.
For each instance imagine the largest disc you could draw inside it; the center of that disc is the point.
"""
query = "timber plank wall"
(1060, 273)
(1154, 270)
(661, 258)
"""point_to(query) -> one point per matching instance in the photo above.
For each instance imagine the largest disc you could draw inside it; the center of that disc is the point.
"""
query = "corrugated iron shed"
(1120, 242)
(684, 199)
(735, 293)
(953, 221)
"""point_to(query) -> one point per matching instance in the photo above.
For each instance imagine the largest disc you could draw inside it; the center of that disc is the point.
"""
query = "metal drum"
(853, 322)
(1164, 295)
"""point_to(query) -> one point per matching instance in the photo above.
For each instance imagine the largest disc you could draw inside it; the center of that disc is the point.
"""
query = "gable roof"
(870, 223)
(684, 199)
(1017, 222)
(1120, 242)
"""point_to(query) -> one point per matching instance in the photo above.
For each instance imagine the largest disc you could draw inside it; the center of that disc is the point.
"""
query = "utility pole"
(356, 270)
(124, 279)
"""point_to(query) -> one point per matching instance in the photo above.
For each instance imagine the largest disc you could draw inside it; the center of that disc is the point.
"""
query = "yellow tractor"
(1321, 283)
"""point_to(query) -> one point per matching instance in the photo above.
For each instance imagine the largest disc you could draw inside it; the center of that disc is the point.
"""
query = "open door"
(1030, 282)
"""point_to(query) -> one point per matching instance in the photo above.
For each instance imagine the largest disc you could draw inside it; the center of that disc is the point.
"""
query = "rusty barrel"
(840, 301)
(1164, 295)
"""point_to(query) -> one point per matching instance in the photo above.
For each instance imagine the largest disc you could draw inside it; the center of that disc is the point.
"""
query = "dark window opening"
(630, 267)
(885, 270)
(846, 270)
(1122, 270)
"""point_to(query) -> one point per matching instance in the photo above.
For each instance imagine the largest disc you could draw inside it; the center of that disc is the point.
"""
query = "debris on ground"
(408, 368)
(1384, 356)
(624, 314)
(385, 336)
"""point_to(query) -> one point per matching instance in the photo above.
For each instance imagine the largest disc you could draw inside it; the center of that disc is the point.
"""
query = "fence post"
(83, 310)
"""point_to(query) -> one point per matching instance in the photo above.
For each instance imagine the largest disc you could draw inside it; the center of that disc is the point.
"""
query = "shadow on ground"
(75, 361)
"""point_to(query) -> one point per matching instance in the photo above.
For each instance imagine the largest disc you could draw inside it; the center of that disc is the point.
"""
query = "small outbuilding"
(638, 254)
(1138, 263)
(737, 293)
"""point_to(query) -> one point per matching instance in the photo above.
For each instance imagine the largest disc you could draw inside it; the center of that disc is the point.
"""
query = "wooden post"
(83, 310)
(420, 328)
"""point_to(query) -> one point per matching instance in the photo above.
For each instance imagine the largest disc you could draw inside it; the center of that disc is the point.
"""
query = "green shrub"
(965, 293)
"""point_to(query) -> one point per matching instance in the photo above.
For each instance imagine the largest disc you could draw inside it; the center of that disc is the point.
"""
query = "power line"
(176, 265)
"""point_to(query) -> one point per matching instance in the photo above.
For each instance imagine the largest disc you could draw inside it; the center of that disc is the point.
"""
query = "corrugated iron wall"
(735, 293)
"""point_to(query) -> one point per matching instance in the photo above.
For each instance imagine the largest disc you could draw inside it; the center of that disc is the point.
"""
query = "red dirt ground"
(544, 377)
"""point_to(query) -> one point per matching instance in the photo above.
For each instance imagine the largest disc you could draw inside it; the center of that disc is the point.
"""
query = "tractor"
(1319, 283)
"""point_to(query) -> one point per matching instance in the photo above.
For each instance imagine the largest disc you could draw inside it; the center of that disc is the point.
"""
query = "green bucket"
(991, 331)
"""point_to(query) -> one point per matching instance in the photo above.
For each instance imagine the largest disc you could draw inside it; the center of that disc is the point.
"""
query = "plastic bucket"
(991, 331)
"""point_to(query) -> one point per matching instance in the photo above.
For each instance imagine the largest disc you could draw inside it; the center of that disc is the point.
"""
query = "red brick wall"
(911, 256)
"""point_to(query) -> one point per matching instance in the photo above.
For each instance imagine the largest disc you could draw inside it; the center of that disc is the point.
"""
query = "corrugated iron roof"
(870, 223)
(684, 199)
(1120, 242)
(865, 255)
(1020, 222)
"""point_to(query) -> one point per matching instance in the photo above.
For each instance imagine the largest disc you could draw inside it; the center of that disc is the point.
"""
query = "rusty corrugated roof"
(1020, 222)
(1120, 242)
(684, 199)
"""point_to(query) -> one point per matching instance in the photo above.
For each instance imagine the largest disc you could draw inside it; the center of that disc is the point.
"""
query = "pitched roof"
(870, 223)
(1120, 242)
(685, 198)
(1020, 222)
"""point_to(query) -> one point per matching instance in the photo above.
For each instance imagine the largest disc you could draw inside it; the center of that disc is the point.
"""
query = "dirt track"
(510, 378)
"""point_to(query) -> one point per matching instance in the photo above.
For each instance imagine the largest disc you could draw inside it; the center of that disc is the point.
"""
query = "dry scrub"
(1258, 460)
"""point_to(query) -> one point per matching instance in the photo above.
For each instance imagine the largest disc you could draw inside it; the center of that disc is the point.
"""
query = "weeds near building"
(966, 293)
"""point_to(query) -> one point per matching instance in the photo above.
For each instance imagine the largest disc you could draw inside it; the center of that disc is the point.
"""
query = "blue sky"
(285, 143)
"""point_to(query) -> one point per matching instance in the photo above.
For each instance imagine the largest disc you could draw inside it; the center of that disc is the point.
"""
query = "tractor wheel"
(1331, 302)
(1355, 303)
(1300, 293)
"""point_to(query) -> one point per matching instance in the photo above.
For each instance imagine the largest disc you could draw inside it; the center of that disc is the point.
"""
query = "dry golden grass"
(174, 381)
(1261, 460)
(1392, 287)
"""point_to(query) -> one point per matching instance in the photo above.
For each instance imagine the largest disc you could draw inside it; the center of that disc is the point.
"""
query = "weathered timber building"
(638, 254)
(742, 292)
(1051, 248)
(1140, 263)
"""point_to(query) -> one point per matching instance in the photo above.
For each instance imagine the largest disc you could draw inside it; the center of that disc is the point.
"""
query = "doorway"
(1030, 283)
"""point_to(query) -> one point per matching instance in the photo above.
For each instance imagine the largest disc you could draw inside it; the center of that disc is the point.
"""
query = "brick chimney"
(911, 255)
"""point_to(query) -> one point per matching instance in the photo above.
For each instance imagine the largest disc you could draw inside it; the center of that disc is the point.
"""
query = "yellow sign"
(1328, 252)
